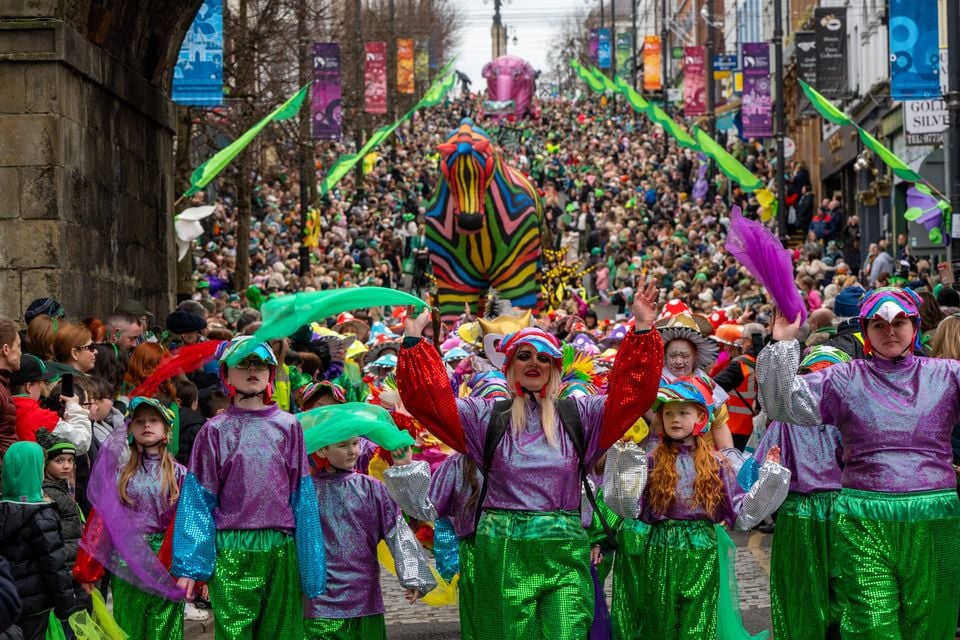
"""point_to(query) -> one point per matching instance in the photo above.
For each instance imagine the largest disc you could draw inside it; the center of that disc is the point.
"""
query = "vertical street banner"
(652, 60)
(325, 95)
(694, 81)
(757, 104)
(375, 77)
(806, 43)
(421, 61)
(625, 56)
(405, 83)
(198, 75)
(830, 27)
(604, 54)
(594, 45)
(914, 50)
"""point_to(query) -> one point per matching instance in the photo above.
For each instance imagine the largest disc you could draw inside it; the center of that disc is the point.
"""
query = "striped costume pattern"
(483, 226)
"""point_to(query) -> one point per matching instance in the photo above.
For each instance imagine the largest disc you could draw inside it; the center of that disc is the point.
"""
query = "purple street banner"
(594, 45)
(421, 61)
(375, 77)
(757, 103)
(325, 96)
(694, 81)
(405, 83)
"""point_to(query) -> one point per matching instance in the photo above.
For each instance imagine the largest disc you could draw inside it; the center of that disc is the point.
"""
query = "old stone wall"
(86, 162)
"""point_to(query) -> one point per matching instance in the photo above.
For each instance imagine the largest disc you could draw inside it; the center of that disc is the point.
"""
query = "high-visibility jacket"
(742, 402)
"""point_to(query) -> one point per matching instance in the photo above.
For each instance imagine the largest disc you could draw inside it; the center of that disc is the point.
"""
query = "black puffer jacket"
(31, 542)
(71, 526)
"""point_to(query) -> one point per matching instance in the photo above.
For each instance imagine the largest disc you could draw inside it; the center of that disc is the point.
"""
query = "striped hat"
(539, 339)
(686, 390)
(888, 303)
(822, 356)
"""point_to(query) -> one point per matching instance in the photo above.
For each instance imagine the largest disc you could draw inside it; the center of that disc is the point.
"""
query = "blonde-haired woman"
(946, 339)
(532, 556)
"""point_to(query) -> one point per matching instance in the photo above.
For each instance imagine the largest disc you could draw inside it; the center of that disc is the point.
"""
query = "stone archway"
(86, 151)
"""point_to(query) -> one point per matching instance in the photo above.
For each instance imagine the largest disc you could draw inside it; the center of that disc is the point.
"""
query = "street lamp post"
(711, 85)
(953, 108)
(779, 116)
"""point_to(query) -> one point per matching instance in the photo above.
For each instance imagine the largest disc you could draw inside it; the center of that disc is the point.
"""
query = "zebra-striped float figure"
(483, 227)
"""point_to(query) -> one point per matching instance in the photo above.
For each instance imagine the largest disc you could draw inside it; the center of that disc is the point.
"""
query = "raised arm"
(785, 395)
(424, 387)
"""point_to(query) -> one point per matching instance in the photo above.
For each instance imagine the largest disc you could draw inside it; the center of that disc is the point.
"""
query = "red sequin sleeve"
(86, 569)
(632, 384)
(426, 394)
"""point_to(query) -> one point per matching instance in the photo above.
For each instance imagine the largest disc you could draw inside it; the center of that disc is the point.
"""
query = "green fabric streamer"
(283, 315)
(331, 424)
(54, 628)
(824, 106)
(209, 170)
(634, 99)
(674, 130)
(730, 166)
(595, 84)
(729, 620)
(899, 167)
(345, 163)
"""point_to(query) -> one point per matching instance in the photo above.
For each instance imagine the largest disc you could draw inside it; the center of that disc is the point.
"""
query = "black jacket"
(190, 423)
(846, 339)
(31, 542)
(9, 604)
(71, 526)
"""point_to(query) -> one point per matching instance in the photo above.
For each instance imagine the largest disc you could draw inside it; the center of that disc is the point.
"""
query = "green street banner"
(210, 169)
(730, 166)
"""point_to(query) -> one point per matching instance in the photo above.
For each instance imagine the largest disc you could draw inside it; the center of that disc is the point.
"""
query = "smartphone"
(66, 385)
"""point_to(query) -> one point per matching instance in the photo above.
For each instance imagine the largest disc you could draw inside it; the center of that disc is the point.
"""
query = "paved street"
(426, 623)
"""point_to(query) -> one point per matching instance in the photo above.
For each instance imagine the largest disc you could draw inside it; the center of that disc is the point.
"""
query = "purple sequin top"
(449, 493)
(526, 473)
(683, 507)
(252, 460)
(151, 507)
(813, 455)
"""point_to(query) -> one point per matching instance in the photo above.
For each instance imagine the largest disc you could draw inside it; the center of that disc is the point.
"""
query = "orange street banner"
(652, 61)
(405, 78)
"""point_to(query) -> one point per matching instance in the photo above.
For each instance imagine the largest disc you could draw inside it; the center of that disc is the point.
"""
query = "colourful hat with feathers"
(820, 357)
(888, 303)
(686, 390)
(576, 374)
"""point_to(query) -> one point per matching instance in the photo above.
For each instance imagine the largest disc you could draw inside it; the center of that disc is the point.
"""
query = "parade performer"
(690, 488)
(532, 554)
(248, 519)
(356, 513)
(897, 517)
(148, 486)
(801, 553)
(448, 498)
(483, 226)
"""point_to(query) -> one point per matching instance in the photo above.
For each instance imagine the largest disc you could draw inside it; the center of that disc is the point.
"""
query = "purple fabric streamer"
(123, 549)
(601, 628)
(765, 258)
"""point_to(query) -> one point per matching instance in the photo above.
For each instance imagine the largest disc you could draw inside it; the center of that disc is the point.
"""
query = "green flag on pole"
(823, 106)
(730, 166)
(209, 170)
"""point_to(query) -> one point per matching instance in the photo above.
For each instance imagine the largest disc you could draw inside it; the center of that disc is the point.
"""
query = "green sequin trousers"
(627, 569)
(899, 564)
(680, 582)
(255, 588)
(143, 616)
(532, 576)
(803, 569)
(465, 588)
(363, 628)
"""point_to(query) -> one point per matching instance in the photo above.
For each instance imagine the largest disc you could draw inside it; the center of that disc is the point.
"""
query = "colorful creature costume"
(483, 227)
(248, 518)
(897, 516)
(802, 548)
(141, 615)
(444, 498)
(531, 551)
(680, 585)
(511, 84)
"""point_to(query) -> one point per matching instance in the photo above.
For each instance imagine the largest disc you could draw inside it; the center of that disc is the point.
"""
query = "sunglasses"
(88, 347)
(252, 365)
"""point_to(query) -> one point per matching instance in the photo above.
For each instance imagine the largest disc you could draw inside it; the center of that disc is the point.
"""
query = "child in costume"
(897, 519)
(689, 489)
(801, 553)
(30, 541)
(247, 521)
(531, 551)
(448, 498)
(148, 486)
(57, 476)
(356, 513)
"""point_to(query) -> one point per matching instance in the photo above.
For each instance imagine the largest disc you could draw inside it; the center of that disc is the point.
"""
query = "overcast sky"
(536, 23)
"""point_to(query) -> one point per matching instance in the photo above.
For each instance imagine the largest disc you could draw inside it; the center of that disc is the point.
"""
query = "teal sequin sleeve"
(194, 532)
